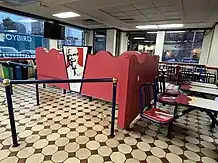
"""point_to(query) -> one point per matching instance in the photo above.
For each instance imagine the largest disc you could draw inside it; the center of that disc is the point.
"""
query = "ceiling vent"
(90, 22)
(17, 2)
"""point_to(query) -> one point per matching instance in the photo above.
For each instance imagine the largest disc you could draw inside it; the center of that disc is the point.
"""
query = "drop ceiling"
(124, 14)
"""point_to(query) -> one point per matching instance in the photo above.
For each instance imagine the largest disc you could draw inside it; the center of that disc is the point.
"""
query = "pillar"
(89, 36)
(213, 55)
(111, 41)
(53, 44)
(123, 42)
(159, 44)
(206, 45)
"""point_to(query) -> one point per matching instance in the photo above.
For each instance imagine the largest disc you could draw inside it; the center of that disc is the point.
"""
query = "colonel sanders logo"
(72, 61)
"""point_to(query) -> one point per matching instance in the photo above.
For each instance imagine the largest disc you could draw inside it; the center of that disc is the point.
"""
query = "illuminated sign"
(15, 37)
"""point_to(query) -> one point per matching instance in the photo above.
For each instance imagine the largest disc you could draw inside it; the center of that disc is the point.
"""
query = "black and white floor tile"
(68, 128)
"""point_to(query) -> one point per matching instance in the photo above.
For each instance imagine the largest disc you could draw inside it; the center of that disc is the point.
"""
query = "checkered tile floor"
(70, 129)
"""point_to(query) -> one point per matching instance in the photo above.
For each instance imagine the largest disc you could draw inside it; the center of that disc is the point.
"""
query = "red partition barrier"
(132, 69)
(51, 65)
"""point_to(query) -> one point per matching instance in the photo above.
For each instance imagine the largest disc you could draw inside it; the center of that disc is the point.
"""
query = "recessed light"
(138, 38)
(64, 15)
(147, 26)
(170, 25)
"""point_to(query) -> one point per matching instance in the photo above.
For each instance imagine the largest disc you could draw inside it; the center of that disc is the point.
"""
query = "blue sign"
(22, 41)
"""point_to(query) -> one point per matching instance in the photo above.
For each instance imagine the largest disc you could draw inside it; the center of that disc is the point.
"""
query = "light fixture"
(151, 32)
(175, 31)
(147, 26)
(138, 38)
(28, 20)
(170, 25)
(161, 26)
(64, 15)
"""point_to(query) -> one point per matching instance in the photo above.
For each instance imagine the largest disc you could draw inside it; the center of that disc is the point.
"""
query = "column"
(213, 55)
(89, 36)
(123, 42)
(53, 44)
(205, 50)
(111, 41)
(159, 44)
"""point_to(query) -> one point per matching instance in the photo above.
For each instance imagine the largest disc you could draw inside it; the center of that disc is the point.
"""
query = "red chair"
(165, 96)
(170, 92)
(149, 110)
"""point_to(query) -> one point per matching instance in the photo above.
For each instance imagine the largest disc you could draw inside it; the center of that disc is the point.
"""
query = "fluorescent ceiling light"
(170, 25)
(151, 32)
(161, 26)
(99, 35)
(175, 31)
(66, 15)
(147, 26)
(138, 38)
(27, 20)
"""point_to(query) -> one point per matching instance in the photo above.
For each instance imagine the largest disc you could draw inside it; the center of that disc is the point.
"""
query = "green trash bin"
(7, 71)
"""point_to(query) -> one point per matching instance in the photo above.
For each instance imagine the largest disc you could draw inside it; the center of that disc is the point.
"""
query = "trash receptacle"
(18, 72)
(11, 73)
(5, 71)
(24, 71)
(1, 72)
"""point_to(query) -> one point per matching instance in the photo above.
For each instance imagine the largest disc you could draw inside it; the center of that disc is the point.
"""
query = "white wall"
(53, 44)
(205, 51)
(123, 42)
(159, 44)
(89, 39)
(213, 55)
(111, 41)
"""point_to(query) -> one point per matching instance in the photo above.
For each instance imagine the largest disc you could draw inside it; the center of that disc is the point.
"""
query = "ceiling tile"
(199, 12)
(153, 15)
(173, 18)
(117, 14)
(170, 13)
(143, 5)
(138, 17)
(133, 21)
(132, 13)
(167, 8)
(126, 7)
(156, 19)
(159, 3)
(123, 17)
(110, 9)
(149, 11)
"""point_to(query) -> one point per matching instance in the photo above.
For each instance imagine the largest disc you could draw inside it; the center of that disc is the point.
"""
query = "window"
(99, 40)
(142, 41)
(18, 33)
(182, 46)
(73, 36)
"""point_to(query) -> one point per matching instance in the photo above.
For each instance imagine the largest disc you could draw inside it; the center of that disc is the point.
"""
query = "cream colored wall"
(111, 41)
(213, 55)
(159, 44)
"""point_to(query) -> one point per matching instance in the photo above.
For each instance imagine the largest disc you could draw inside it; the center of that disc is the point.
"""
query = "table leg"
(213, 118)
